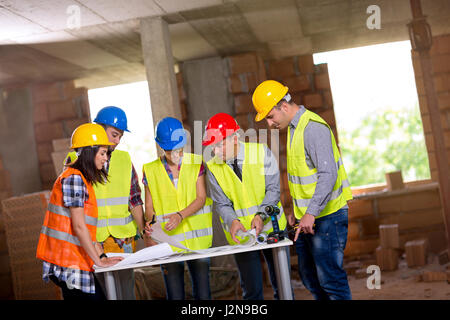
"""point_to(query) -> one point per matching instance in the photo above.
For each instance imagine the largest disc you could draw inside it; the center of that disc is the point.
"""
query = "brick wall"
(6, 287)
(440, 58)
(416, 209)
(59, 108)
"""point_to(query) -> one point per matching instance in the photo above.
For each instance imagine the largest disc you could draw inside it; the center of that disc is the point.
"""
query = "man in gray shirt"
(243, 178)
(319, 188)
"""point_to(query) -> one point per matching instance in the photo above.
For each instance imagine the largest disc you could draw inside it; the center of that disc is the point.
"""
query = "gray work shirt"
(224, 206)
(319, 155)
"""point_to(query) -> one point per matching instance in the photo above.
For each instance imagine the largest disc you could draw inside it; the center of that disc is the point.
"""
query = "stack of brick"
(6, 287)
(440, 59)
(59, 108)
(386, 253)
(416, 209)
(246, 71)
(416, 252)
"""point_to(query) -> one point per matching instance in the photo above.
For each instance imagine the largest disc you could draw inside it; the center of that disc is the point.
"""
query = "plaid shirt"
(75, 194)
(169, 172)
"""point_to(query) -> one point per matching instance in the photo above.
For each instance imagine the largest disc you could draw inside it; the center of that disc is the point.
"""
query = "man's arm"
(222, 205)
(318, 146)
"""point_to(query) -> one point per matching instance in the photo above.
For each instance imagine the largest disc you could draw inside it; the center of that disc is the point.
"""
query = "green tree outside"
(387, 140)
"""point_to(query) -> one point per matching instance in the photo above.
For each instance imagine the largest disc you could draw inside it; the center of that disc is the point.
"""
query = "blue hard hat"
(170, 134)
(112, 116)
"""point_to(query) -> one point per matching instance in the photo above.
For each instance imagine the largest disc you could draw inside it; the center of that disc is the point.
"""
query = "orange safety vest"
(58, 243)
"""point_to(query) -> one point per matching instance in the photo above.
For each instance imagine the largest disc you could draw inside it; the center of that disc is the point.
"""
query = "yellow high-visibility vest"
(303, 181)
(195, 232)
(114, 218)
(248, 194)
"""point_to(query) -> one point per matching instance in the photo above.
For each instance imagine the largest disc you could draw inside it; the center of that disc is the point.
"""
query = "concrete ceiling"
(39, 43)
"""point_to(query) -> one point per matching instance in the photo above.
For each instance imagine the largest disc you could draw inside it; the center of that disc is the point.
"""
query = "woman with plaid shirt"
(67, 240)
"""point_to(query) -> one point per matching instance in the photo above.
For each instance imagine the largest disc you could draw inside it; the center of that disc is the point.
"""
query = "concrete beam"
(159, 65)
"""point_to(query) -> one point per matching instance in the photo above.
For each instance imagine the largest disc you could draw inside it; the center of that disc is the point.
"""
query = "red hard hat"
(219, 127)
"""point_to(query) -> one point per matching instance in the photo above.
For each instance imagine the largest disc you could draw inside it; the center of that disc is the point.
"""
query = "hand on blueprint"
(236, 225)
(108, 262)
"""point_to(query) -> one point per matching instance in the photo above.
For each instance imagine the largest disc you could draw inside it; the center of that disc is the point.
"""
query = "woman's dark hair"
(86, 165)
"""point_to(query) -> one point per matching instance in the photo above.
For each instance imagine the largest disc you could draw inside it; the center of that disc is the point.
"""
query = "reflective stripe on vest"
(195, 231)
(303, 180)
(114, 217)
(63, 211)
(57, 242)
(246, 194)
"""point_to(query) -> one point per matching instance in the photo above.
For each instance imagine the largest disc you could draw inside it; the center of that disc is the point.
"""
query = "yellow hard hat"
(266, 96)
(89, 134)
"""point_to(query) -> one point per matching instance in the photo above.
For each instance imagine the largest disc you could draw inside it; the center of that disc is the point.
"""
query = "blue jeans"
(251, 274)
(173, 274)
(321, 257)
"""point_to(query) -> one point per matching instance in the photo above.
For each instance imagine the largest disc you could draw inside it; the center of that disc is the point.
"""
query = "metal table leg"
(282, 273)
(110, 284)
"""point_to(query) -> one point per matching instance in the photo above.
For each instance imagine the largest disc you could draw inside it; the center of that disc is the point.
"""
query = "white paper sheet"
(149, 253)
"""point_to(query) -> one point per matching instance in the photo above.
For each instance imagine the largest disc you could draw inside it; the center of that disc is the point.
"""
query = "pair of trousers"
(321, 257)
(78, 295)
(251, 274)
(173, 274)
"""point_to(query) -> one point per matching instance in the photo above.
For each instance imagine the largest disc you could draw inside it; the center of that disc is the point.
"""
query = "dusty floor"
(402, 284)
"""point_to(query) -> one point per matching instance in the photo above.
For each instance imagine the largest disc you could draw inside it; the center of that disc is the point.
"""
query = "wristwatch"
(262, 215)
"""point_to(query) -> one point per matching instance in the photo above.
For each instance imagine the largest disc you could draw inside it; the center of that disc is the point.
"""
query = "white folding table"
(279, 256)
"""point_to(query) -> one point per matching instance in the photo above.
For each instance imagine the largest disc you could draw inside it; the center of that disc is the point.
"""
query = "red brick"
(441, 45)
(416, 252)
(305, 64)
(40, 113)
(5, 180)
(409, 202)
(313, 101)
(279, 69)
(47, 172)
(387, 259)
(328, 99)
(243, 103)
(241, 63)
(441, 63)
(322, 81)
(243, 82)
(63, 110)
(360, 247)
(328, 116)
(68, 88)
(297, 83)
(444, 100)
(47, 132)
(353, 230)
(53, 91)
(359, 208)
(431, 276)
(389, 236)
(44, 150)
(70, 125)
(394, 180)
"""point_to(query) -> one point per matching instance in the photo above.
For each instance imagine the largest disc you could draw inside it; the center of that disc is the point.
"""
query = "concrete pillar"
(207, 94)
(17, 142)
(158, 60)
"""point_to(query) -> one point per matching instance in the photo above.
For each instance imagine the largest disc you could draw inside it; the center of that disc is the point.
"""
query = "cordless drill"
(276, 235)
